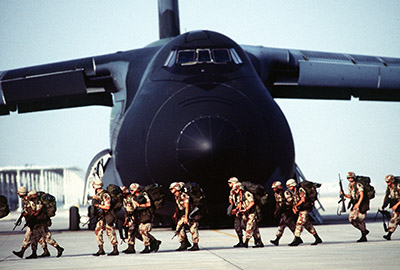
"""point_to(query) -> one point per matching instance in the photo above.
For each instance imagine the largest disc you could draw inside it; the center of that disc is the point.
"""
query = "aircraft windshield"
(202, 56)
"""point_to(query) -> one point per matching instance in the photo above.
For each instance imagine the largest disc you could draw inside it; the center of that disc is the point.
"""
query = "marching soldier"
(144, 217)
(358, 212)
(282, 209)
(393, 197)
(38, 222)
(102, 201)
(237, 224)
(245, 207)
(181, 214)
(297, 196)
(130, 207)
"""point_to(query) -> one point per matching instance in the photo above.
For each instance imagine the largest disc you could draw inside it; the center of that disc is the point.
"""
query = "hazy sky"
(330, 137)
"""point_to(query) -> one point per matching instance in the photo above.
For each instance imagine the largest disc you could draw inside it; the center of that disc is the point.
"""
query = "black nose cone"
(208, 144)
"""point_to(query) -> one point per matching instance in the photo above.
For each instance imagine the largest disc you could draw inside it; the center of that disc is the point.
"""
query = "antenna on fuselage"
(168, 18)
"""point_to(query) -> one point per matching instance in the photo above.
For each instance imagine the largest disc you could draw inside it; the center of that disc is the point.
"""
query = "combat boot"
(33, 255)
(259, 243)
(114, 252)
(182, 247)
(60, 251)
(187, 243)
(363, 236)
(276, 241)
(296, 241)
(129, 250)
(46, 253)
(240, 244)
(20, 253)
(387, 237)
(317, 241)
(246, 243)
(146, 250)
(195, 247)
(154, 245)
(100, 251)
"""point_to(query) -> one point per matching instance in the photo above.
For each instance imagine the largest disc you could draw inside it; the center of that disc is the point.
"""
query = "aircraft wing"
(321, 75)
(75, 83)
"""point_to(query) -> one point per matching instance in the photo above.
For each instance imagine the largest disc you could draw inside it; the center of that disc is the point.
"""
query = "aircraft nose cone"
(208, 143)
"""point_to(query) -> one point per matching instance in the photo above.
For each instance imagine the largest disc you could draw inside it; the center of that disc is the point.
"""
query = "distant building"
(64, 183)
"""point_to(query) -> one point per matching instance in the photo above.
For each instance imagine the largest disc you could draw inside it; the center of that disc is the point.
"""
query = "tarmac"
(339, 249)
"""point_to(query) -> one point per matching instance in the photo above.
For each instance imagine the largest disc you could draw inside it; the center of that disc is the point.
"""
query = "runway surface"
(338, 251)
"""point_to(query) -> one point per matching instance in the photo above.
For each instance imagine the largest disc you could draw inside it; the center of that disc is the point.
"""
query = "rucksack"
(49, 202)
(155, 194)
(368, 189)
(311, 194)
(197, 198)
(4, 208)
(116, 197)
(259, 194)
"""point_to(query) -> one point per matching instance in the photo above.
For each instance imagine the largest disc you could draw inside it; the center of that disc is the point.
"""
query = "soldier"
(237, 224)
(144, 217)
(282, 209)
(245, 207)
(358, 211)
(23, 194)
(297, 196)
(38, 222)
(181, 214)
(392, 196)
(130, 207)
(102, 201)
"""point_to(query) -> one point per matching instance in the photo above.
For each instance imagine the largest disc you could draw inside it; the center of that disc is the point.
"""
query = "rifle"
(341, 209)
(19, 221)
(194, 212)
(385, 214)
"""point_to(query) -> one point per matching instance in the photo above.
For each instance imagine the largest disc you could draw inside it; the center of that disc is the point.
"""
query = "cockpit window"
(221, 55)
(202, 56)
(186, 57)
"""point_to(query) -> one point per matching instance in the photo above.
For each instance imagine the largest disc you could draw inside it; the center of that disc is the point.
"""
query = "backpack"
(368, 189)
(116, 197)
(155, 194)
(4, 208)
(311, 193)
(197, 198)
(49, 202)
(259, 194)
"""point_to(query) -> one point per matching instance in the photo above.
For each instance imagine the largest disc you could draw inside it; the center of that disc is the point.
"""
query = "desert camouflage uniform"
(181, 200)
(249, 218)
(238, 221)
(356, 218)
(145, 228)
(40, 230)
(104, 222)
(303, 215)
(28, 234)
(394, 194)
(285, 209)
(130, 207)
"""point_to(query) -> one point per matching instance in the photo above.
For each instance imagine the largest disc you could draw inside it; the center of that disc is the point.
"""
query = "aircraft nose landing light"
(208, 143)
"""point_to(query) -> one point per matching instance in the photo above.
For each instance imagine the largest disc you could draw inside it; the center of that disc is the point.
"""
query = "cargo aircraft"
(197, 106)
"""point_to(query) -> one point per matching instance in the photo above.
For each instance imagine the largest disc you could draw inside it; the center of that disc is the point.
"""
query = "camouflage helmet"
(97, 183)
(175, 186)
(32, 193)
(291, 183)
(276, 184)
(134, 187)
(124, 189)
(233, 180)
(389, 178)
(351, 175)
(22, 191)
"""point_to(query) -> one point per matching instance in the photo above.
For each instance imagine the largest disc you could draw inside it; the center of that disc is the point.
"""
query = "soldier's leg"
(299, 228)
(47, 237)
(357, 219)
(110, 230)
(181, 235)
(309, 227)
(250, 226)
(25, 243)
(194, 230)
(392, 225)
(144, 229)
(237, 224)
(37, 233)
(131, 238)
(257, 236)
(98, 232)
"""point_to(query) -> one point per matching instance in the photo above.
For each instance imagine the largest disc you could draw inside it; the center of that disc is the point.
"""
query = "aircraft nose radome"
(209, 143)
